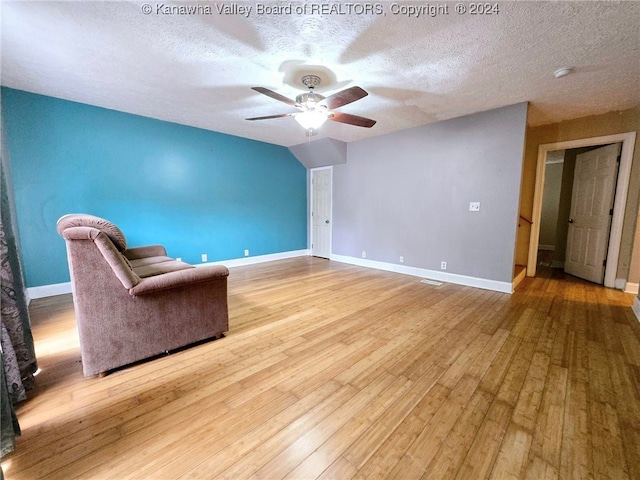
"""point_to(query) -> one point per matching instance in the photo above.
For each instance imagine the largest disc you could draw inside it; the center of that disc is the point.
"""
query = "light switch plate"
(474, 206)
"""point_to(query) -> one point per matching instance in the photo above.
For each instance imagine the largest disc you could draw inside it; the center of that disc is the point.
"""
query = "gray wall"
(564, 207)
(407, 193)
(550, 203)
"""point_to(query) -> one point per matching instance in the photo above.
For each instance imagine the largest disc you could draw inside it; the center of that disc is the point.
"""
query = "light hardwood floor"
(335, 372)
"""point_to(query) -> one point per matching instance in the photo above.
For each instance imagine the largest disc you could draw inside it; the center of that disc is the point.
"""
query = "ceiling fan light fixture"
(311, 119)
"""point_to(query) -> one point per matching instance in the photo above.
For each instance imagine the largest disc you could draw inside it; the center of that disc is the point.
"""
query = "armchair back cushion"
(83, 220)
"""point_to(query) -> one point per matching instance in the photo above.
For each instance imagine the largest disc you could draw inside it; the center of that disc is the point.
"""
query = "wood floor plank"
(340, 469)
(576, 457)
(307, 444)
(212, 433)
(361, 450)
(247, 455)
(481, 455)
(332, 449)
(416, 461)
(547, 435)
(382, 462)
(447, 461)
(513, 456)
(332, 371)
(530, 397)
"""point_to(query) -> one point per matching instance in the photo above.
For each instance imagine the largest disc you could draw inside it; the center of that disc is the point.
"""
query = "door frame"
(620, 198)
(310, 212)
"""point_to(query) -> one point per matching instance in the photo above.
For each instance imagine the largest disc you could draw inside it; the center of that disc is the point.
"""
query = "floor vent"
(430, 282)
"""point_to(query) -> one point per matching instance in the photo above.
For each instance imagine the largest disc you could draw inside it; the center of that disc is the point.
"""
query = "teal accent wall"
(194, 191)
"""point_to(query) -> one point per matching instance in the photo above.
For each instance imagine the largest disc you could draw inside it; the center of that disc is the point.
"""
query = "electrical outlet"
(474, 206)
(246, 253)
(401, 259)
(443, 265)
(204, 257)
(364, 254)
(179, 259)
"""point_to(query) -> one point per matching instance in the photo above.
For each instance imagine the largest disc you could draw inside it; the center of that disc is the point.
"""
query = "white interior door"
(591, 209)
(321, 186)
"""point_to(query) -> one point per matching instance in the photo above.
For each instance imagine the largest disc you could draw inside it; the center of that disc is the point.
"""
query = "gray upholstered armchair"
(132, 304)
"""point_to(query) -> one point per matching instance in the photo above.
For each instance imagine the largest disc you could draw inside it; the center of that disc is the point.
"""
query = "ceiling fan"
(315, 109)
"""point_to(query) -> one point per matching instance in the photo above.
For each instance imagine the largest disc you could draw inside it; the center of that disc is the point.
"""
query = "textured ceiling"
(198, 69)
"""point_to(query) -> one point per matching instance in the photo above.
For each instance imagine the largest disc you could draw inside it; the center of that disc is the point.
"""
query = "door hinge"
(611, 212)
(604, 263)
(619, 158)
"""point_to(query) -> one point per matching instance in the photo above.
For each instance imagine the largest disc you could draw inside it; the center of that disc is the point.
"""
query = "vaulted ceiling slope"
(194, 63)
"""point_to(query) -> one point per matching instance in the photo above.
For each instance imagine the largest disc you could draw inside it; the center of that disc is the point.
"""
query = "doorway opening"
(621, 184)
(577, 205)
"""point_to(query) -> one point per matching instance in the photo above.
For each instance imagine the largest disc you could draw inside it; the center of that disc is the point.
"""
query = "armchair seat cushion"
(141, 262)
(160, 268)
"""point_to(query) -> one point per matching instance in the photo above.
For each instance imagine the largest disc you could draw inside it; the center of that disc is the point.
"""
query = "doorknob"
(571, 220)
(326, 221)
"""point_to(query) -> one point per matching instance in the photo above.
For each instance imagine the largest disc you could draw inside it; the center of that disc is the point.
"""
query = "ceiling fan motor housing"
(311, 81)
(310, 100)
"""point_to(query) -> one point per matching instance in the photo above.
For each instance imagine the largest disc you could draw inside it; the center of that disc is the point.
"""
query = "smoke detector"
(562, 72)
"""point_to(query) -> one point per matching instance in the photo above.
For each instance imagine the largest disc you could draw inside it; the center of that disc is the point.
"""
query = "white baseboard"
(62, 288)
(504, 287)
(239, 262)
(557, 264)
(631, 288)
(48, 290)
(636, 307)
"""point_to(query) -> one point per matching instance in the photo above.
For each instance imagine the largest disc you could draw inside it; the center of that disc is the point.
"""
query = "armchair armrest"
(146, 251)
(179, 279)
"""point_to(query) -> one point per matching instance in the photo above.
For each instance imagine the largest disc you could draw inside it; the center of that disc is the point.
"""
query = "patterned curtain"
(17, 357)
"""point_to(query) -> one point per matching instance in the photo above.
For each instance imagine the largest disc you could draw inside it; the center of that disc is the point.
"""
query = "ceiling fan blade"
(271, 116)
(276, 96)
(350, 119)
(344, 97)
